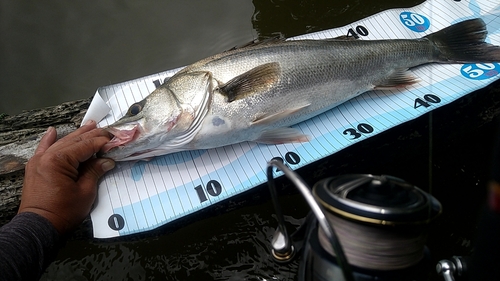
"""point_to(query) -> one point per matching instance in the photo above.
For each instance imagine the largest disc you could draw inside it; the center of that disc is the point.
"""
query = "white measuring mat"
(140, 196)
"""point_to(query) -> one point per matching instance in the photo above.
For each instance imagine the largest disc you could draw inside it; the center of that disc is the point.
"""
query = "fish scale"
(256, 92)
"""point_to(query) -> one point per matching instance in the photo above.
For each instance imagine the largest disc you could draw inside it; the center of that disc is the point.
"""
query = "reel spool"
(361, 227)
(380, 222)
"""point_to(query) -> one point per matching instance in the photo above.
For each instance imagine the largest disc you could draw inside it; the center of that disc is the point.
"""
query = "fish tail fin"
(464, 43)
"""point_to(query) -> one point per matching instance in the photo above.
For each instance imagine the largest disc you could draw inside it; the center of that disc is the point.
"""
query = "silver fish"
(256, 92)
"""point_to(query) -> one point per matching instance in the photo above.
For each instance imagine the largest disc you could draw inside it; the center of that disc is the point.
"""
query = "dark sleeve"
(28, 244)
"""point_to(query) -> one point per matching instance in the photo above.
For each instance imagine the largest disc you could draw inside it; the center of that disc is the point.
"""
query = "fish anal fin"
(271, 118)
(282, 135)
(400, 78)
(255, 80)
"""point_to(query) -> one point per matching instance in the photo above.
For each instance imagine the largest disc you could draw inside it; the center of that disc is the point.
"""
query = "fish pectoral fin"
(255, 80)
(270, 118)
(400, 78)
(282, 135)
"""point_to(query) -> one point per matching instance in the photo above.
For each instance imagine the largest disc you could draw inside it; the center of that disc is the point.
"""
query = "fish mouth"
(120, 138)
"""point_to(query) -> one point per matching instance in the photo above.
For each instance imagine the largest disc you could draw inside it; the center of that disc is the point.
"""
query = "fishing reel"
(361, 227)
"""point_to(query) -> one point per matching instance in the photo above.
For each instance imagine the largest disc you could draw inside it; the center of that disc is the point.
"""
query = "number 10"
(213, 188)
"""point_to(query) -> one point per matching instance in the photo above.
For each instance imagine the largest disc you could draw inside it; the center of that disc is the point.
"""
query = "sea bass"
(256, 92)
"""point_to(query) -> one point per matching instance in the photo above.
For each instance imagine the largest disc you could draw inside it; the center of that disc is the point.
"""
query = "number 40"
(427, 101)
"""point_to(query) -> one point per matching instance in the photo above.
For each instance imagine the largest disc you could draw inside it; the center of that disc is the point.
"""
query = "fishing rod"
(282, 246)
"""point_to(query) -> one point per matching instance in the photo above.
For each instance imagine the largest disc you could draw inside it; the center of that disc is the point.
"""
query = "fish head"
(159, 124)
(144, 125)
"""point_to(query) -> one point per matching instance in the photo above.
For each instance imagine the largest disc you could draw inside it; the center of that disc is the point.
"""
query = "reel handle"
(454, 268)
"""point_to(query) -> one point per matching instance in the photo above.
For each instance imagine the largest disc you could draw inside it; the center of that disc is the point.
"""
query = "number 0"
(116, 222)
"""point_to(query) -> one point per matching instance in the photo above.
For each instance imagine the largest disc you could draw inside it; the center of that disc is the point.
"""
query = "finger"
(89, 126)
(91, 171)
(69, 141)
(48, 139)
(82, 151)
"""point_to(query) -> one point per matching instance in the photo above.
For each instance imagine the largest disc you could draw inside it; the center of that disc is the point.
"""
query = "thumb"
(94, 169)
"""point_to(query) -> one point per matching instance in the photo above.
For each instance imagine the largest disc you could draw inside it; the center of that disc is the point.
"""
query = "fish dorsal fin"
(257, 42)
(341, 38)
(276, 116)
(253, 81)
(399, 78)
(282, 135)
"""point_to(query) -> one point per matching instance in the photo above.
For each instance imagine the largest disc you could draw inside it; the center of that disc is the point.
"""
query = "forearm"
(28, 244)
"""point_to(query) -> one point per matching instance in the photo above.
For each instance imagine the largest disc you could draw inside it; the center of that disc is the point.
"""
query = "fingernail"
(89, 122)
(49, 129)
(108, 165)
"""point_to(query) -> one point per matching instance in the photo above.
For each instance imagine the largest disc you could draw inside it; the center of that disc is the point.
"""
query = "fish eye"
(135, 109)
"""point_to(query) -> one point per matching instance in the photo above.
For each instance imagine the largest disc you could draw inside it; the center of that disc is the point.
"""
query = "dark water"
(59, 51)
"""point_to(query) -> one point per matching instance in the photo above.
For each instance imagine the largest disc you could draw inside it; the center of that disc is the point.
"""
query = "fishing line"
(430, 152)
(376, 247)
(381, 221)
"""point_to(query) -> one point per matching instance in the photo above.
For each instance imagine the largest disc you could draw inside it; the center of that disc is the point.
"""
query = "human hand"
(60, 181)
